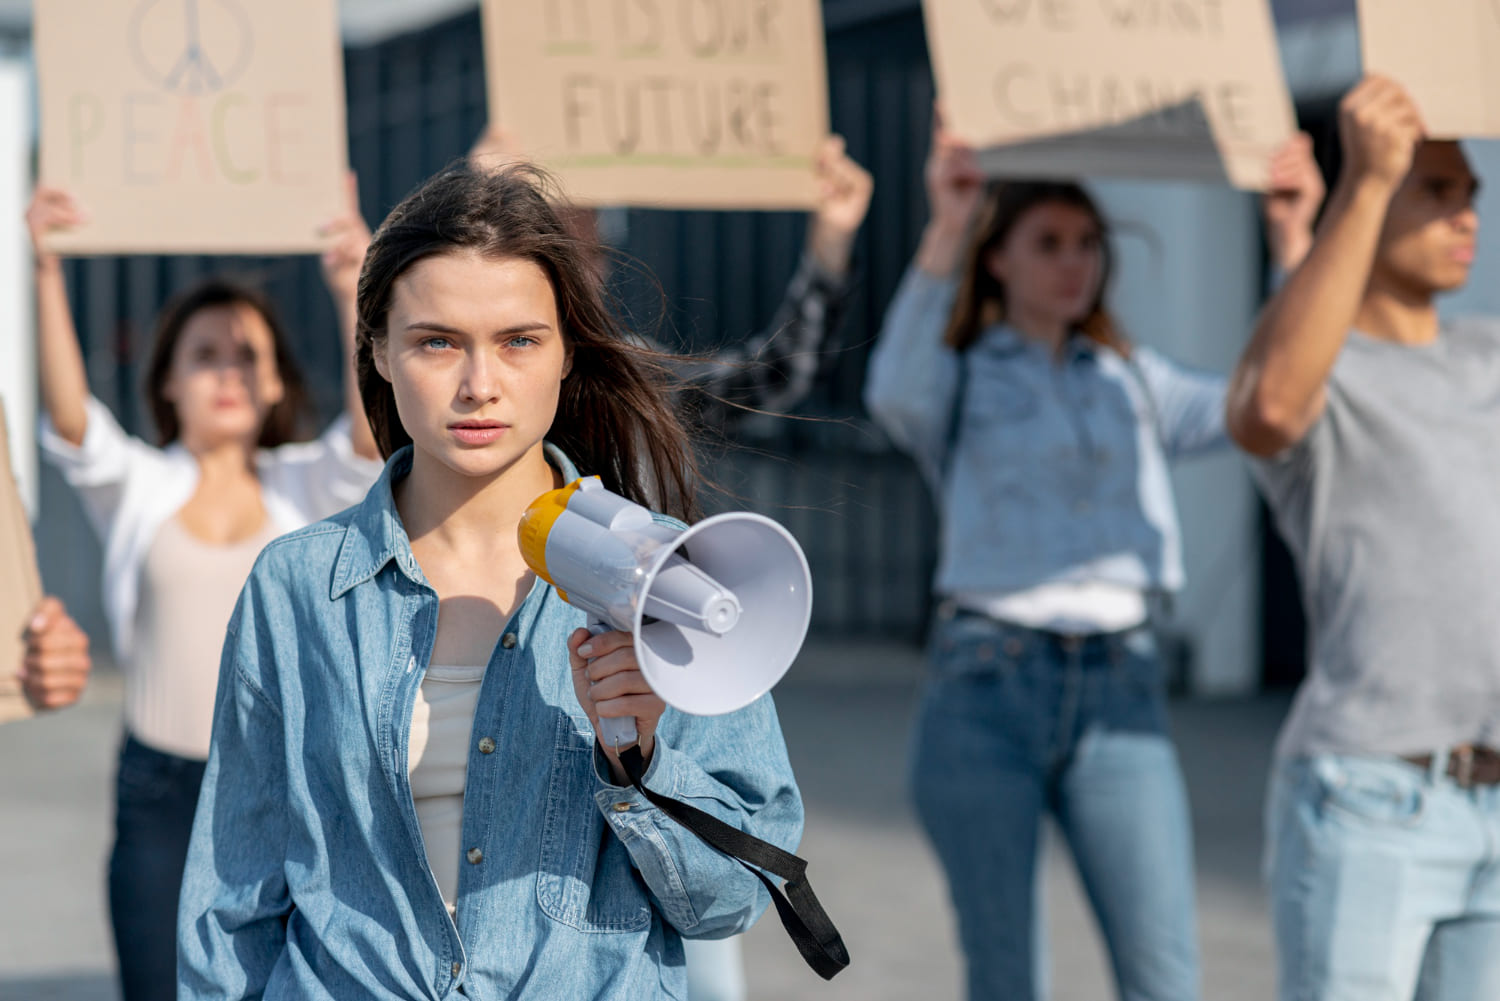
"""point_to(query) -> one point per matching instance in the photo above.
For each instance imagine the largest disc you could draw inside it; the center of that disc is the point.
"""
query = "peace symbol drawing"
(191, 46)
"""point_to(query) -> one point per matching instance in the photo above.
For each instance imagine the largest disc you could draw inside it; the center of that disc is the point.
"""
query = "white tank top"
(188, 589)
(442, 721)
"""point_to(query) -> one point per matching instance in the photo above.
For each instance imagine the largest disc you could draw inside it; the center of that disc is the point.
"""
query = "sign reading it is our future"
(1175, 89)
(186, 126)
(664, 103)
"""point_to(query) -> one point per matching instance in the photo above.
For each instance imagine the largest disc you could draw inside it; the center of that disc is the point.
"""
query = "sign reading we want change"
(664, 103)
(193, 126)
(1177, 89)
(1446, 53)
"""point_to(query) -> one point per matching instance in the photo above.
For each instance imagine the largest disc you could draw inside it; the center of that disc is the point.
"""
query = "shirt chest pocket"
(585, 878)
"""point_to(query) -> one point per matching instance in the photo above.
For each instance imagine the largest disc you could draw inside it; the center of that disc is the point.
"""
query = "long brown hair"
(286, 420)
(615, 417)
(980, 302)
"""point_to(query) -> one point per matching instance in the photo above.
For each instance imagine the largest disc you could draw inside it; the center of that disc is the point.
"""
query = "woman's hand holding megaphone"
(608, 682)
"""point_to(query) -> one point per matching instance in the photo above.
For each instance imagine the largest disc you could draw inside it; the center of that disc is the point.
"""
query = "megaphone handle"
(614, 731)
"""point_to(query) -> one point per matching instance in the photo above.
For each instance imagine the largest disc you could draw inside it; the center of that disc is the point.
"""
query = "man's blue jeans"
(1385, 881)
(1015, 723)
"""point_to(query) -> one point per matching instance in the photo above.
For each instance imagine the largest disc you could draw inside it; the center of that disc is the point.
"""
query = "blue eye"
(521, 341)
(436, 343)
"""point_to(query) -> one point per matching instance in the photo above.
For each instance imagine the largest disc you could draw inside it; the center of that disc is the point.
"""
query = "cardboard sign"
(664, 103)
(20, 584)
(193, 126)
(1444, 52)
(1177, 89)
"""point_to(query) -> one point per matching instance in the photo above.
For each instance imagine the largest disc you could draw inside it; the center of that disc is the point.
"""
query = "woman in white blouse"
(182, 522)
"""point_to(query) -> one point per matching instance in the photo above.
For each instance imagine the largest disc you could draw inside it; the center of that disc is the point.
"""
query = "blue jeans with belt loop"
(1385, 880)
(1016, 723)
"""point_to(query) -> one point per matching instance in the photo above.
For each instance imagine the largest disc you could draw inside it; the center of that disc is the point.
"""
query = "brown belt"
(1467, 766)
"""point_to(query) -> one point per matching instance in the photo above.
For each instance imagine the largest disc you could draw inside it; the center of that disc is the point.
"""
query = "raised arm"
(65, 385)
(1277, 392)
(350, 238)
(913, 376)
(775, 369)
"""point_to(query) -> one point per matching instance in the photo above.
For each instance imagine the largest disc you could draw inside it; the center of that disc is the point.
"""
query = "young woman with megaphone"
(405, 795)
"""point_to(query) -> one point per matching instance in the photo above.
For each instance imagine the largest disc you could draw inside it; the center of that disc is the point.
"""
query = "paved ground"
(846, 714)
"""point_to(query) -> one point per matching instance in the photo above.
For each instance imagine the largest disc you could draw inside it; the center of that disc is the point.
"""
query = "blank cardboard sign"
(1447, 55)
(664, 103)
(193, 126)
(1171, 89)
(20, 583)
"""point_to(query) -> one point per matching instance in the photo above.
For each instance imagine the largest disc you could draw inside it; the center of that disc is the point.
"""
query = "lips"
(477, 432)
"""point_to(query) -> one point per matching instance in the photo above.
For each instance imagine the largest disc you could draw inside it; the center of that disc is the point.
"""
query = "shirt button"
(1081, 507)
(486, 745)
(508, 641)
(474, 855)
(458, 968)
(622, 807)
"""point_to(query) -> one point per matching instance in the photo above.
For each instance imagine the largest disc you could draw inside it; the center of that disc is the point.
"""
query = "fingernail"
(586, 650)
(37, 622)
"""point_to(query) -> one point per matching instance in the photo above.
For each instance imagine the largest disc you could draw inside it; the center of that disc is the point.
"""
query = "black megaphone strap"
(801, 914)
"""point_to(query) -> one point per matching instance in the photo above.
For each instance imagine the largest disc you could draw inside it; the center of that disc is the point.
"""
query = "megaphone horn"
(718, 611)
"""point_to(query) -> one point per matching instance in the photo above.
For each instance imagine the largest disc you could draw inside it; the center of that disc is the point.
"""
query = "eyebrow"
(438, 328)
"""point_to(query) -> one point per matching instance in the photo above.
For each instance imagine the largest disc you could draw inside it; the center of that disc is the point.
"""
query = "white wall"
(17, 345)
(1187, 283)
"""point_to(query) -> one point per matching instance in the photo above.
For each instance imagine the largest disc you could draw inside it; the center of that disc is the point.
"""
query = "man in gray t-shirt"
(1377, 436)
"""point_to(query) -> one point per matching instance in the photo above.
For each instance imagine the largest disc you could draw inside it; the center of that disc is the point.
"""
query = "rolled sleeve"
(324, 476)
(1189, 405)
(100, 466)
(732, 767)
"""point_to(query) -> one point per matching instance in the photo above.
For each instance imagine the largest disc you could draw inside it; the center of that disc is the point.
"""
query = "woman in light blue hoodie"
(405, 797)
(1045, 435)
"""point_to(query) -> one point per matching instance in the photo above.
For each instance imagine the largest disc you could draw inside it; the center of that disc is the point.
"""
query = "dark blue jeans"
(155, 796)
(1016, 724)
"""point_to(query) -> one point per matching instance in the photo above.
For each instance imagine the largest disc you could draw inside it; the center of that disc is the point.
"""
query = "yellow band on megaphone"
(536, 525)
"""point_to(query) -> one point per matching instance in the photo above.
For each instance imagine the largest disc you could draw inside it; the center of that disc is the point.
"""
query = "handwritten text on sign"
(193, 124)
(682, 102)
(1171, 70)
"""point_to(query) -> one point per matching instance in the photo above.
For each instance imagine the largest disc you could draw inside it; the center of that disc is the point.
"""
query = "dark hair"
(615, 416)
(285, 421)
(981, 296)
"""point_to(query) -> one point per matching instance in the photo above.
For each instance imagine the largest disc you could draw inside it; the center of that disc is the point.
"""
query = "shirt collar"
(375, 535)
(1004, 340)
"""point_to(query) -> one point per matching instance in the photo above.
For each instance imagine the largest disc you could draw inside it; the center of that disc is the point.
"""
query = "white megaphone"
(718, 611)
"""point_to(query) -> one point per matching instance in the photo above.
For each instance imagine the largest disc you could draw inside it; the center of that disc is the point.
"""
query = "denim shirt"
(307, 877)
(1047, 469)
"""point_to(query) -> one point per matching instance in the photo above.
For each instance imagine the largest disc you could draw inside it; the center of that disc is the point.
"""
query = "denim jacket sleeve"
(231, 915)
(913, 376)
(1189, 405)
(733, 767)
